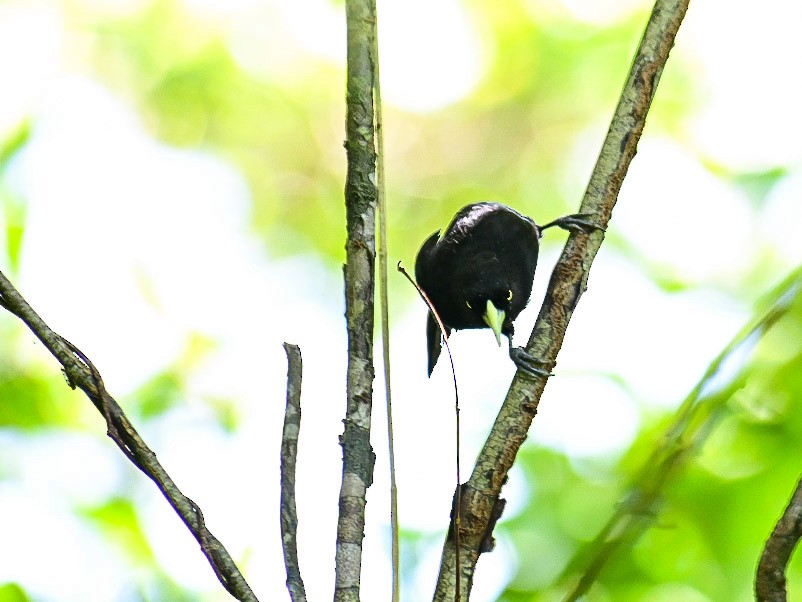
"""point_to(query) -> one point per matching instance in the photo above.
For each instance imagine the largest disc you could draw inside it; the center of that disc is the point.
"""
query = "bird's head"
(495, 309)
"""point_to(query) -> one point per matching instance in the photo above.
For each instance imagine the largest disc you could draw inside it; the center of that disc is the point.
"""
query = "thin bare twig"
(82, 373)
(289, 454)
(480, 500)
(454, 528)
(360, 252)
(770, 581)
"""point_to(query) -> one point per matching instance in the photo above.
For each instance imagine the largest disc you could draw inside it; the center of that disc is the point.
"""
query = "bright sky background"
(174, 225)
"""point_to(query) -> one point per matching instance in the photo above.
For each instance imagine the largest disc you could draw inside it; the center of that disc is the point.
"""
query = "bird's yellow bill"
(494, 317)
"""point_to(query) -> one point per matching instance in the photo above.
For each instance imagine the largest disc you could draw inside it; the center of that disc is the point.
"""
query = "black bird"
(479, 273)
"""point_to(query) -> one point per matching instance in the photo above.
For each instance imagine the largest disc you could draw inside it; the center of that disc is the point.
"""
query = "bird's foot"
(528, 363)
(576, 222)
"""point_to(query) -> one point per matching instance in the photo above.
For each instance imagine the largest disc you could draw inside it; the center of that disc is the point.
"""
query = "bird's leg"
(526, 362)
(576, 222)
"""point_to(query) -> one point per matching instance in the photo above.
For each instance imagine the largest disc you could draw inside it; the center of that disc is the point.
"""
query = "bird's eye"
(469, 305)
(509, 295)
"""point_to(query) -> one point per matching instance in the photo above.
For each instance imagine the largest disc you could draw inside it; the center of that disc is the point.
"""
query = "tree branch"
(82, 373)
(289, 454)
(770, 581)
(568, 282)
(360, 249)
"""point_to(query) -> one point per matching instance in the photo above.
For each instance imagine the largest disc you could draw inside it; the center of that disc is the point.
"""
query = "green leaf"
(27, 401)
(14, 143)
(158, 395)
(118, 520)
(758, 184)
(12, 592)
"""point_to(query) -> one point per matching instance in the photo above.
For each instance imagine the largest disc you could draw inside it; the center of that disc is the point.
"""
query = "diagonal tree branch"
(480, 498)
(770, 582)
(82, 373)
(360, 250)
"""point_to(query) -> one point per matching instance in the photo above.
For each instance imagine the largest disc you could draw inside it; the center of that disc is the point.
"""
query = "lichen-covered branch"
(289, 454)
(568, 281)
(770, 581)
(360, 250)
(82, 373)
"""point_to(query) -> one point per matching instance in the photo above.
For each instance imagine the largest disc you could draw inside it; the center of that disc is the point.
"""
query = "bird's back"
(485, 245)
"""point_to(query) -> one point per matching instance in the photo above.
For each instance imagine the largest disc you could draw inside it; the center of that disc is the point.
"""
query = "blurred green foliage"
(547, 83)
(508, 141)
(13, 208)
(11, 592)
(31, 400)
(695, 498)
(118, 520)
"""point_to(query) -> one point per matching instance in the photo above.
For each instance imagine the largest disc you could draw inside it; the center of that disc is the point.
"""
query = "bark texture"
(359, 271)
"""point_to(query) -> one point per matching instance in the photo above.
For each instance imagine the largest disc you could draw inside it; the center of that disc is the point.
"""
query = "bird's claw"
(526, 362)
(576, 222)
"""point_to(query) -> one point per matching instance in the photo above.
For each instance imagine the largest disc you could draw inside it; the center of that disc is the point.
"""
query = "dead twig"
(289, 453)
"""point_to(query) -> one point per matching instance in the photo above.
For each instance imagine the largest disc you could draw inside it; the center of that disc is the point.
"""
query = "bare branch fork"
(82, 373)
(481, 504)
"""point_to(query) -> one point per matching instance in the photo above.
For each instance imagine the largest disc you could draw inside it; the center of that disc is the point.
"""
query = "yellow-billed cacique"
(479, 273)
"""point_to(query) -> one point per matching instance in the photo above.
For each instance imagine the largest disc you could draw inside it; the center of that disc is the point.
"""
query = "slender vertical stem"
(384, 303)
